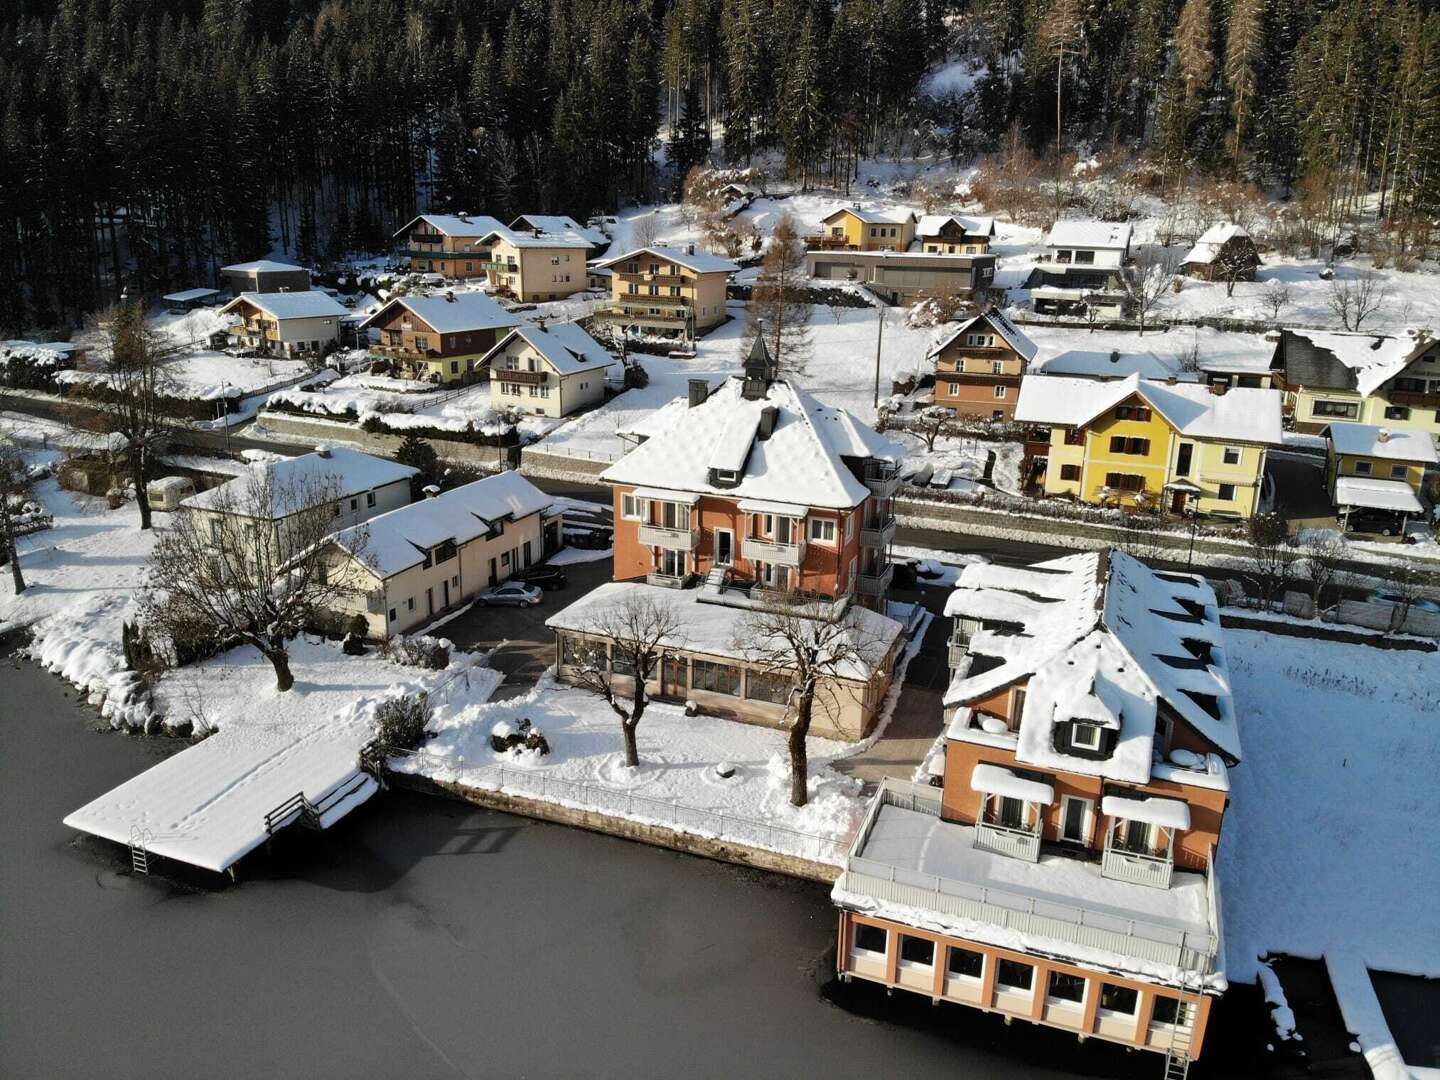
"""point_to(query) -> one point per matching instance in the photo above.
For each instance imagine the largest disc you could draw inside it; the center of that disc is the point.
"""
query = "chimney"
(450, 296)
(1171, 380)
(689, 249)
(768, 415)
(322, 451)
(1219, 388)
(699, 391)
(1384, 435)
(1114, 356)
(464, 216)
(430, 491)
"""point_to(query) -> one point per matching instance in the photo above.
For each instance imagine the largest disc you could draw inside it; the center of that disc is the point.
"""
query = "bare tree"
(14, 485)
(1275, 298)
(1322, 558)
(645, 230)
(1091, 311)
(638, 630)
(1149, 280)
(128, 400)
(254, 565)
(778, 307)
(1352, 300)
(1272, 556)
(930, 423)
(789, 641)
(1407, 585)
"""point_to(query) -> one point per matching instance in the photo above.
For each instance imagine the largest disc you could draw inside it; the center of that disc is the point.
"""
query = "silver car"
(511, 594)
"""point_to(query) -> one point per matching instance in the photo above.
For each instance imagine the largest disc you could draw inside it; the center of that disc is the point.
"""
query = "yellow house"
(1377, 468)
(448, 244)
(666, 292)
(535, 266)
(1148, 444)
(852, 229)
(1333, 378)
(439, 338)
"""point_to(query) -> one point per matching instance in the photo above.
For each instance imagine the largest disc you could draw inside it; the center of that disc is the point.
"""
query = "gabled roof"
(700, 262)
(306, 304)
(931, 224)
(565, 346)
(558, 223)
(1098, 637)
(1089, 234)
(524, 238)
(476, 225)
(1243, 414)
(264, 266)
(873, 217)
(799, 464)
(450, 313)
(350, 471)
(398, 540)
(1212, 240)
(1013, 335)
(1348, 361)
(1394, 444)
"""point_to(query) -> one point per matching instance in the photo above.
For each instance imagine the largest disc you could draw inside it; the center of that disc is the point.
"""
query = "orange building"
(978, 367)
(1062, 871)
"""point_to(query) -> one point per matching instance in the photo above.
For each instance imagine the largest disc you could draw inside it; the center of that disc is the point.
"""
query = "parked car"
(544, 577)
(1417, 603)
(510, 594)
(1369, 520)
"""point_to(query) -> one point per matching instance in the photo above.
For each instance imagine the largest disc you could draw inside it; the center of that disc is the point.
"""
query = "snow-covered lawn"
(963, 459)
(208, 375)
(1329, 846)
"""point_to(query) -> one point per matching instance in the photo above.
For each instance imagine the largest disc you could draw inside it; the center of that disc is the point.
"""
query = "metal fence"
(622, 803)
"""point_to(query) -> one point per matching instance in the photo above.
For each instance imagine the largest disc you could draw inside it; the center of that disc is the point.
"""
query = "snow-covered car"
(510, 594)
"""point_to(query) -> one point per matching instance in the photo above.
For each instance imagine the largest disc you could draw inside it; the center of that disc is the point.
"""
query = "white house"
(435, 554)
(286, 323)
(1082, 268)
(548, 371)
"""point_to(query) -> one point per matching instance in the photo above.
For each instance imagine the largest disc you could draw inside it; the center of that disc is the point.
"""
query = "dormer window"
(1085, 736)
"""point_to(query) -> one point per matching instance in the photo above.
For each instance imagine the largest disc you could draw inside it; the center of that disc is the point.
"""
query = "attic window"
(1085, 736)
(1201, 650)
(1209, 702)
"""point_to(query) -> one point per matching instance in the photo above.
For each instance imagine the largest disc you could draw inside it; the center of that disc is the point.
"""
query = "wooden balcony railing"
(523, 378)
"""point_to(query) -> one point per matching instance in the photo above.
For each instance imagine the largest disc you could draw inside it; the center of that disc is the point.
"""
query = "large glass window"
(716, 678)
(768, 686)
(1118, 999)
(1169, 1010)
(1013, 975)
(1064, 987)
(917, 950)
(870, 938)
(966, 962)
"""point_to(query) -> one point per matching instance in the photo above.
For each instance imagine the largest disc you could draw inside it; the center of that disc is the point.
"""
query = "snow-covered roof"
(996, 780)
(1397, 444)
(301, 304)
(1016, 338)
(700, 262)
(522, 238)
(1097, 637)
(456, 224)
(1089, 234)
(1372, 359)
(398, 540)
(1366, 491)
(185, 296)
(559, 223)
(1212, 240)
(263, 266)
(873, 217)
(718, 629)
(350, 471)
(1152, 809)
(566, 346)
(451, 313)
(1106, 364)
(801, 459)
(1243, 414)
(931, 224)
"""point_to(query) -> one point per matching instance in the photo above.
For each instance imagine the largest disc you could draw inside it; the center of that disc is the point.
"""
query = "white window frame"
(632, 508)
(1232, 450)
(731, 534)
(819, 527)
(1364, 468)
(1000, 392)
(1089, 729)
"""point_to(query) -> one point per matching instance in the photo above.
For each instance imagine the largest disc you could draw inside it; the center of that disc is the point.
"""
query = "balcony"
(821, 242)
(876, 583)
(959, 649)
(404, 355)
(881, 477)
(665, 581)
(670, 539)
(647, 278)
(878, 534)
(1179, 928)
(1154, 871)
(628, 315)
(500, 267)
(645, 299)
(1021, 844)
(1416, 397)
(524, 378)
(757, 549)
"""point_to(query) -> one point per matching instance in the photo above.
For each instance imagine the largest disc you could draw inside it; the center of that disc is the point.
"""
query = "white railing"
(671, 539)
(772, 551)
(1002, 840)
(876, 584)
(878, 534)
(617, 802)
(1136, 868)
(1072, 923)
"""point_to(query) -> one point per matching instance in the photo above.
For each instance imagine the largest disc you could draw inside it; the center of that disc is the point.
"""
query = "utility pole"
(879, 336)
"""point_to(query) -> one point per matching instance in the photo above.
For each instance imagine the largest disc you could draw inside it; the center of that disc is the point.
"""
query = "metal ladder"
(139, 850)
(1177, 1054)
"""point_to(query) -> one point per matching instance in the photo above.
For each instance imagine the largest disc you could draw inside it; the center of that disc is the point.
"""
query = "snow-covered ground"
(1329, 843)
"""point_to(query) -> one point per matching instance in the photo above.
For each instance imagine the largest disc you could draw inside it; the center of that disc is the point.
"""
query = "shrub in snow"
(524, 736)
(353, 645)
(400, 724)
(423, 652)
(725, 770)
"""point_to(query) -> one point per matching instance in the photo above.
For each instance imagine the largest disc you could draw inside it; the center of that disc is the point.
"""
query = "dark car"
(544, 577)
(1365, 519)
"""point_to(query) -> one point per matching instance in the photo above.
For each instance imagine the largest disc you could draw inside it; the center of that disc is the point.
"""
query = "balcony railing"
(881, 477)
(1137, 868)
(1016, 843)
(500, 267)
(669, 539)
(1013, 909)
(627, 314)
(876, 583)
(878, 534)
(665, 581)
(400, 352)
(770, 551)
(1416, 397)
(646, 298)
(646, 278)
(959, 649)
(525, 378)
(821, 242)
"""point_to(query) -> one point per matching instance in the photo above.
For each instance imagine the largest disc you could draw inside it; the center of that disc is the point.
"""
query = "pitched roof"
(1102, 638)
(799, 464)
(1243, 414)
(398, 540)
(301, 304)
(873, 217)
(476, 225)
(264, 266)
(1212, 240)
(559, 223)
(350, 471)
(566, 346)
(700, 262)
(563, 238)
(1393, 444)
(1096, 234)
(931, 224)
(1348, 360)
(1016, 338)
(451, 313)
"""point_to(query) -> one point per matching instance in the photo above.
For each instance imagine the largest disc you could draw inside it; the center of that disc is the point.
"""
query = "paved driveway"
(526, 647)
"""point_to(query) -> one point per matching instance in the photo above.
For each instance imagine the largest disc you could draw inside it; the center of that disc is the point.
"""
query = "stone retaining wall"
(320, 429)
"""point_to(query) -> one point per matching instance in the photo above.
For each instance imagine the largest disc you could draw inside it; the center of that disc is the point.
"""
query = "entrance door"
(494, 578)
(430, 601)
(724, 547)
(445, 587)
(1075, 820)
(1177, 502)
(526, 555)
(672, 677)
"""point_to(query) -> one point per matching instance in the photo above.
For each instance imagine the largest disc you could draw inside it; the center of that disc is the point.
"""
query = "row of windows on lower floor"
(1133, 482)
(710, 676)
(1014, 975)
